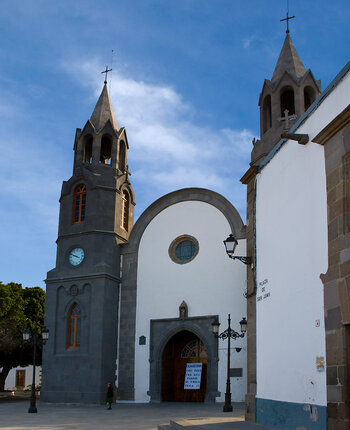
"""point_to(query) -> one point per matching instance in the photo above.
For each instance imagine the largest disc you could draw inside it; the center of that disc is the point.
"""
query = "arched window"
(287, 101)
(106, 150)
(194, 349)
(87, 157)
(309, 97)
(125, 213)
(79, 204)
(122, 153)
(267, 113)
(74, 326)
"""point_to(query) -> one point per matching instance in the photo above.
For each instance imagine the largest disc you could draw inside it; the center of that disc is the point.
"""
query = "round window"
(183, 249)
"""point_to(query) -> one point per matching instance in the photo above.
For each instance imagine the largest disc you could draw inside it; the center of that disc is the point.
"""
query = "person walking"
(109, 395)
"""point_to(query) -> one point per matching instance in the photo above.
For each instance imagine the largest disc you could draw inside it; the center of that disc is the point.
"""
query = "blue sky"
(185, 83)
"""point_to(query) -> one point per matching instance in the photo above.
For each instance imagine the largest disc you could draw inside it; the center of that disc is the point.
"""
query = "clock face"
(76, 256)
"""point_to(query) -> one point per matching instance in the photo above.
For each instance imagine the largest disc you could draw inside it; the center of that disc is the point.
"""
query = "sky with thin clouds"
(185, 84)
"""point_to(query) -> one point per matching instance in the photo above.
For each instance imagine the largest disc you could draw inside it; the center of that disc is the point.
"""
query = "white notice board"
(193, 376)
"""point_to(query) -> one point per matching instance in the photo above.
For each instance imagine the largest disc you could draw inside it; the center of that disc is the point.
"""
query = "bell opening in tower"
(106, 150)
(287, 100)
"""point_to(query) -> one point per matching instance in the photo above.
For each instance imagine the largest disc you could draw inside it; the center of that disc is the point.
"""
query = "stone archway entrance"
(169, 333)
(184, 347)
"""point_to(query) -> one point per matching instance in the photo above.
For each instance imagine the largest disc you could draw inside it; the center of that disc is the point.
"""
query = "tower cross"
(106, 71)
(127, 173)
(286, 118)
(287, 19)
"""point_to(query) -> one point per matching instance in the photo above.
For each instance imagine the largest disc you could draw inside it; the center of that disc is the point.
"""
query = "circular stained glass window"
(183, 249)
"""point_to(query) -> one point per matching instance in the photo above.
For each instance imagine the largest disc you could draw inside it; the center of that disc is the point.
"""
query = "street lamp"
(229, 334)
(26, 336)
(230, 245)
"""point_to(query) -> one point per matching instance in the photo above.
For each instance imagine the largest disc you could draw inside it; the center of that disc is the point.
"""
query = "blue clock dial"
(76, 256)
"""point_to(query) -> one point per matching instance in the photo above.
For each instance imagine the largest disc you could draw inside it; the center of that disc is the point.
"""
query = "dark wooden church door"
(185, 347)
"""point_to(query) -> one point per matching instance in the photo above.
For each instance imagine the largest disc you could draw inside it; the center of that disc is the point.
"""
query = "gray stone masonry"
(336, 140)
(80, 373)
(163, 330)
(249, 180)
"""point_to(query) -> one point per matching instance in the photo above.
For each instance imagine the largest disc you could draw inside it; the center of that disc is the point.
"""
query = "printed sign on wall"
(262, 290)
(193, 376)
(320, 364)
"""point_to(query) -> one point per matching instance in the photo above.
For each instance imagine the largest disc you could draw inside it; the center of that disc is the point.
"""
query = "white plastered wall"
(292, 252)
(10, 383)
(211, 284)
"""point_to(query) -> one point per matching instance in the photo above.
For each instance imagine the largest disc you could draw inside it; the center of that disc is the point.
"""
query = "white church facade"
(135, 304)
(178, 298)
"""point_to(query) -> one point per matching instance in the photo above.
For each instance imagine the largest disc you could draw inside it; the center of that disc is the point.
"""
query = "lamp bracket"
(229, 332)
(249, 295)
(245, 260)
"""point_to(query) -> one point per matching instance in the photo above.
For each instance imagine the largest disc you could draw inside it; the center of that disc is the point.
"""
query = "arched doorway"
(184, 347)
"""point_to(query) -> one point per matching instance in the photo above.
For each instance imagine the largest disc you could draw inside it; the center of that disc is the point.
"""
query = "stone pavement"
(124, 416)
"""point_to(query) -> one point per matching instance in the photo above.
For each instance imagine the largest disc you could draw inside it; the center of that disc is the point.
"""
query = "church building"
(298, 196)
(135, 304)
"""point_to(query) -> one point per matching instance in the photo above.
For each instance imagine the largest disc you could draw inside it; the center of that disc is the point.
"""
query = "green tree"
(19, 309)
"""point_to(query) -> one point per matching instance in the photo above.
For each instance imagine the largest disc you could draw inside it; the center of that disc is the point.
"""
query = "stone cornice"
(83, 278)
(249, 174)
(81, 233)
(194, 318)
(333, 127)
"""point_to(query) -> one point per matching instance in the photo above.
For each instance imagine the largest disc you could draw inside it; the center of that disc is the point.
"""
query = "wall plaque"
(236, 372)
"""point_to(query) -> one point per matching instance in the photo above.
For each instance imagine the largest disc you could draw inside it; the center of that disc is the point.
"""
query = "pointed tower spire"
(284, 98)
(103, 111)
(288, 61)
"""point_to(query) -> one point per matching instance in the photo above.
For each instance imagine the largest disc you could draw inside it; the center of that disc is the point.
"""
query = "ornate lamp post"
(26, 336)
(229, 334)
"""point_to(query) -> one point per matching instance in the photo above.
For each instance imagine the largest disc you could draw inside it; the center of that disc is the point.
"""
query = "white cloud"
(31, 178)
(168, 150)
(247, 42)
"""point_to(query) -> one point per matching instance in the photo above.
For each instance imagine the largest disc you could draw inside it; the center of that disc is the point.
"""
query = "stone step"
(178, 425)
(196, 423)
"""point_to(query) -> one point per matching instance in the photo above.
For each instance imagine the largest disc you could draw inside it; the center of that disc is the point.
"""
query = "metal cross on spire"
(106, 71)
(287, 19)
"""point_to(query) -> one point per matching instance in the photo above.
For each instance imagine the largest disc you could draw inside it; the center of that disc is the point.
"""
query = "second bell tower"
(283, 99)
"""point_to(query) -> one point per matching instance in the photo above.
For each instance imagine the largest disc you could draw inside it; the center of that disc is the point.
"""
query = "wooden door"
(185, 347)
(20, 379)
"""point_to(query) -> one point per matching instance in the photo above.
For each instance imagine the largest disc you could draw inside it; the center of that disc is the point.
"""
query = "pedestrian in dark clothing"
(109, 395)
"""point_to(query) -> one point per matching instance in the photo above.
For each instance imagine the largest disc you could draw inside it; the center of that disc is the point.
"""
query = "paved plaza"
(124, 416)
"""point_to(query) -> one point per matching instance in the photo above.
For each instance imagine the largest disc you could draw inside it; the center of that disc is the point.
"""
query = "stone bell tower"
(96, 217)
(283, 99)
